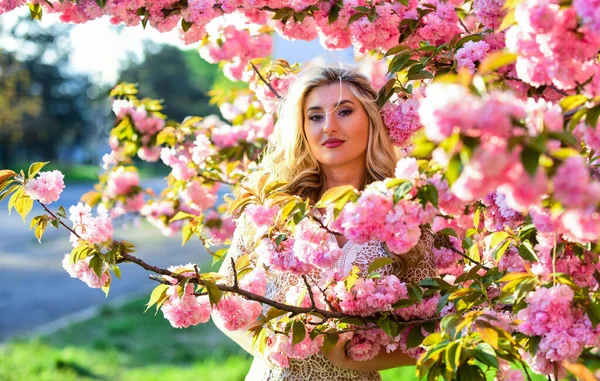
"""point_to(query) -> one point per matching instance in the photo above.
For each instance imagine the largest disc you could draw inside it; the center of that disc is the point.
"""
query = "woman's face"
(336, 126)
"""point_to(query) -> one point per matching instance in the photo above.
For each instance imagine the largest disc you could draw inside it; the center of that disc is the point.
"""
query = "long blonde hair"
(288, 156)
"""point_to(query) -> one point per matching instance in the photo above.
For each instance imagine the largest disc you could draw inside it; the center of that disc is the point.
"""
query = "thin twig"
(464, 26)
(448, 245)
(310, 293)
(525, 370)
(235, 277)
(59, 220)
(265, 81)
(160, 279)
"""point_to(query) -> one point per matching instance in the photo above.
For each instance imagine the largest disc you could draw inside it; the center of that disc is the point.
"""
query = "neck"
(343, 175)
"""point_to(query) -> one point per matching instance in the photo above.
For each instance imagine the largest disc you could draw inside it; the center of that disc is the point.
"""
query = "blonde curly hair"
(288, 156)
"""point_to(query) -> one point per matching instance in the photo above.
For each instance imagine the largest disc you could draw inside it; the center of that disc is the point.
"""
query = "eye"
(345, 112)
(316, 118)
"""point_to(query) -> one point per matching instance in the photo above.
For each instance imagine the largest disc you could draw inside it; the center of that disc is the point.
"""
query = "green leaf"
(572, 102)
(499, 252)
(530, 159)
(452, 356)
(186, 233)
(401, 191)
(13, 199)
(35, 11)
(415, 292)
(485, 354)
(514, 276)
(330, 342)
(449, 232)
(62, 212)
(182, 216)
(159, 295)
(470, 372)
(415, 337)
(96, 265)
(379, 263)
(593, 311)
(41, 228)
(23, 205)
(591, 118)
(214, 294)
(334, 13)
(526, 251)
(488, 334)
(35, 168)
(432, 339)
(454, 169)
(185, 25)
(497, 237)
(496, 60)
(298, 332)
(334, 194)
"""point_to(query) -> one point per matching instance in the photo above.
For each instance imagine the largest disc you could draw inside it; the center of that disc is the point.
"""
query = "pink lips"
(333, 143)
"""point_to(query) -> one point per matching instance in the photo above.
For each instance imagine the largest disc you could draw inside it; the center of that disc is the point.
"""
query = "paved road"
(34, 288)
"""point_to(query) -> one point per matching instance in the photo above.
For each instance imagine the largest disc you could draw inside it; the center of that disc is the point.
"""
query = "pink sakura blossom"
(149, 154)
(9, 5)
(187, 310)
(498, 214)
(365, 344)
(471, 53)
(122, 183)
(589, 11)
(96, 230)
(548, 309)
(447, 201)
(543, 116)
(524, 190)
(281, 258)
(380, 34)
(573, 186)
(582, 226)
(444, 257)
(488, 168)
(296, 30)
(368, 295)
(220, 228)
(506, 373)
(335, 35)
(551, 48)
(46, 187)
(401, 121)
(240, 105)
(82, 271)
(237, 313)
(402, 226)
(198, 196)
(313, 246)
(180, 162)
(269, 100)
(439, 26)
(489, 12)
(407, 168)
(423, 310)
(261, 216)
(305, 348)
(255, 281)
(159, 213)
(375, 69)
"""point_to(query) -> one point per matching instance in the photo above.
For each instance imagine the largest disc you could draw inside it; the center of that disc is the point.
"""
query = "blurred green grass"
(125, 344)
(76, 173)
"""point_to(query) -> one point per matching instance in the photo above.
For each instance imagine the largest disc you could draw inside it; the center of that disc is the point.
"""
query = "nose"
(330, 124)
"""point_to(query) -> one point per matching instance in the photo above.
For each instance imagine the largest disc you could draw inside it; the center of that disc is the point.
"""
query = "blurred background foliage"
(48, 112)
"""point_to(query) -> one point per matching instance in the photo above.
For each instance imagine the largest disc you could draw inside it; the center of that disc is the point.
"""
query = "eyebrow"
(336, 106)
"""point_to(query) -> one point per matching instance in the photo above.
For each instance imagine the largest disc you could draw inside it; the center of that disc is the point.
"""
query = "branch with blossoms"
(499, 110)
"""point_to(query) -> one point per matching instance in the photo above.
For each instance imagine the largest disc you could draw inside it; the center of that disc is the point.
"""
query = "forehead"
(328, 96)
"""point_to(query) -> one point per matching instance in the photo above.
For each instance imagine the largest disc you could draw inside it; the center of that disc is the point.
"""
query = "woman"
(329, 133)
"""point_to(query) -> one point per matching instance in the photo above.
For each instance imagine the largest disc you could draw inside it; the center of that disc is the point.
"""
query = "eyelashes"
(318, 118)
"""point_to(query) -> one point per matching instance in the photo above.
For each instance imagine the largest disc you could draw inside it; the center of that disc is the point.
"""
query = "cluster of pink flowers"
(255, 281)
(296, 30)
(146, 124)
(564, 329)
(471, 53)
(281, 257)
(498, 214)
(374, 217)
(280, 349)
(445, 259)
(219, 227)
(96, 230)
(367, 295)
(401, 120)
(298, 296)
(365, 344)
(552, 49)
(186, 310)
(46, 187)
(440, 25)
(82, 271)
(234, 39)
(279, 82)
(199, 197)
(313, 246)
(423, 310)
(237, 313)
(225, 135)
(489, 12)
(123, 187)
(159, 213)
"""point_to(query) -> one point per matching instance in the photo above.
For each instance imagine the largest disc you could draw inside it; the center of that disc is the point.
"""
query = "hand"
(337, 355)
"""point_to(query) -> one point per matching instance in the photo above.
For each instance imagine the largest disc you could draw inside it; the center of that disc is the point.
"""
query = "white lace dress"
(413, 268)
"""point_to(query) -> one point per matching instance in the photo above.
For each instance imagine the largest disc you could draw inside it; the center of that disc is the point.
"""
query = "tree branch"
(448, 245)
(265, 81)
